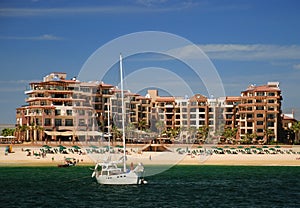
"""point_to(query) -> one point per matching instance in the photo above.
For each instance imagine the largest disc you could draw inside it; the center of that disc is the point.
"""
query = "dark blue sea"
(180, 186)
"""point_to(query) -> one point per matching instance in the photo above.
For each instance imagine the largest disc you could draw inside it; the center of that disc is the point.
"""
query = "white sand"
(19, 158)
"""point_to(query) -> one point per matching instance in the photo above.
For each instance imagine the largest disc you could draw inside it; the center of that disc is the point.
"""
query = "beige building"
(61, 109)
(260, 112)
(58, 109)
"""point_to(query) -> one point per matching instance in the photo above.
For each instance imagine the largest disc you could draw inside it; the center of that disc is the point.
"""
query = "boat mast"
(108, 130)
(123, 121)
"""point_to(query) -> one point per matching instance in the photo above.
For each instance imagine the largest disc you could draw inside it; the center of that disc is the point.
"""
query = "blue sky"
(248, 41)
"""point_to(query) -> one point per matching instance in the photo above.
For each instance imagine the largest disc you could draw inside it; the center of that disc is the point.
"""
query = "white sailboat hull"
(129, 178)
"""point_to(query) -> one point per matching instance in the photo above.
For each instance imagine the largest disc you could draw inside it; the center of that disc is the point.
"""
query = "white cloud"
(248, 52)
(41, 37)
(20, 12)
(296, 66)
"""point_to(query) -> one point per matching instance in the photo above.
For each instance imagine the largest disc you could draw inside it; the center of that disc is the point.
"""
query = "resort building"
(61, 109)
(260, 112)
(57, 109)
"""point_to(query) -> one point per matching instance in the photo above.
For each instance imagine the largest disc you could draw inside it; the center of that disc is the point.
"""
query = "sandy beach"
(20, 157)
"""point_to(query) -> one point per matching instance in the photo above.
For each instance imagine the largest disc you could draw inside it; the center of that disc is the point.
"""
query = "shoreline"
(20, 159)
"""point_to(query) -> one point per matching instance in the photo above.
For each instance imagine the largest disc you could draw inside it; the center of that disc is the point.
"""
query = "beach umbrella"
(272, 149)
(119, 146)
(277, 147)
(265, 147)
(94, 147)
(240, 147)
(199, 147)
(47, 147)
(253, 146)
(76, 147)
(61, 148)
(178, 149)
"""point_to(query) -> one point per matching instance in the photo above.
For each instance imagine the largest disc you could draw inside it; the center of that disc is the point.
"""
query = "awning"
(76, 133)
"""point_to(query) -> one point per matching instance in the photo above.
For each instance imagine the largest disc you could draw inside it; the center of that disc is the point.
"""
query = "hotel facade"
(70, 110)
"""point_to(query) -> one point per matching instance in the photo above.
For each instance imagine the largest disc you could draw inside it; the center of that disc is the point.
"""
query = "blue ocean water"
(180, 186)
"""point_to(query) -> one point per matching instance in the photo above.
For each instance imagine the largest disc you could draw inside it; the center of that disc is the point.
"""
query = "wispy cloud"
(247, 52)
(41, 37)
(17, 81)
(296, 66)
(19, 12)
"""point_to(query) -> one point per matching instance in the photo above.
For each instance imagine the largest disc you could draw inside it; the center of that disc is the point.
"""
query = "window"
(201, 109)
(81, 112)
(260, 94)
(47, 122)
(48, 111)
(270, 124)
(193, 110)
(271, 94)
(259, 101)
(249, 115)
(202, 123)
(259, 115)
(69, 122)
(193, 103)
(193, 116)
(271, 108)
(57, 112)
(259, 123)
(81, 122)
(57, 122)
(259, 107)
(271, 101)
(69, 112)
(259, 130)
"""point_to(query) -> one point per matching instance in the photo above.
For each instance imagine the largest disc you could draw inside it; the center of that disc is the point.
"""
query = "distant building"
(61, 109)
(260, 112)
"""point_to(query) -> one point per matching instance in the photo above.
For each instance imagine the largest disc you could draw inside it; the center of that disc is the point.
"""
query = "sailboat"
(108, 172)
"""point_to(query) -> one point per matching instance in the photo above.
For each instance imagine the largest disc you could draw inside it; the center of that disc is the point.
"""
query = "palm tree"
(40, 130)
(230, 134)
(172, 133)
(142, 125)
(267, 133)
(296, 129)
(23, 129)
(252, 137)
(247, 138)
(192, 131)
(129, 129)
(202, 133)
(115, 133)
(159, 126)
(8, 132)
